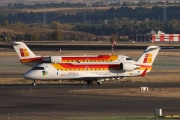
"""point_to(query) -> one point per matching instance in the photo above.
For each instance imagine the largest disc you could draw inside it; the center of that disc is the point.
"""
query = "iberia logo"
(24, 52)
(148, 58)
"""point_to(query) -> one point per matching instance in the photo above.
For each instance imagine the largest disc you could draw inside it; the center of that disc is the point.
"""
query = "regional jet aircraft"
(27, 57)
(98, 72)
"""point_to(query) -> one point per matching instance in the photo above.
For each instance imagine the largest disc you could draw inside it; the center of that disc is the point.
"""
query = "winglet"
(144, 73)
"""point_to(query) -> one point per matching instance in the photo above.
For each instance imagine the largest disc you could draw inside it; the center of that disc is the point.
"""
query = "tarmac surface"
(49, 101)
(45, 101)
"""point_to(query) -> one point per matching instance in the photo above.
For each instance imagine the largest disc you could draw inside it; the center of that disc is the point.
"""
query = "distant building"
(156, 37)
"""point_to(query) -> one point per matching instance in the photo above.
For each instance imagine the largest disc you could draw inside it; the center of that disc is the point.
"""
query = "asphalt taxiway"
(45, 101)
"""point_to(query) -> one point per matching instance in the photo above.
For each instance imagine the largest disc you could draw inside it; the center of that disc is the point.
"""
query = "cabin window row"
(85, 69)
(89, 60)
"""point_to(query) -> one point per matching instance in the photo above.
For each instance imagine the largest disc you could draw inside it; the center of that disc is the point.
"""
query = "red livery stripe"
(100, 57)
(31, 59)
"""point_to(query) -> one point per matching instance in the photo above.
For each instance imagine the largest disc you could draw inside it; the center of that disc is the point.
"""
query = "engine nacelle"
(128, 66)
(52, 59)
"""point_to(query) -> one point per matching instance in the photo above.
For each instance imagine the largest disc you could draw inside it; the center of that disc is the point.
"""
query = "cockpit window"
(128, 59)
(38, 68)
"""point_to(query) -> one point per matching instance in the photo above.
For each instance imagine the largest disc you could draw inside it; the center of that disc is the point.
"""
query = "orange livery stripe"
(64, 66)
(99, 58)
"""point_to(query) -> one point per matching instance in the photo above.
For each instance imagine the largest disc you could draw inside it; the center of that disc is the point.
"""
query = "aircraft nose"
(28, 75)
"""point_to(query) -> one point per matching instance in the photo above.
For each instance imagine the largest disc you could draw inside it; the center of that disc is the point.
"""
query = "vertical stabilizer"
(22, 50)
(148, 56)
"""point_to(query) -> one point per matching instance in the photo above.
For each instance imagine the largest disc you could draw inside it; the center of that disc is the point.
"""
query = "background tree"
(5, 23)
(56, 35)
(74, 37)
(55, 25)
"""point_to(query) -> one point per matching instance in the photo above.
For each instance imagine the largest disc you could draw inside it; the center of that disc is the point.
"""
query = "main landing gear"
(99, 82)
(90, 82)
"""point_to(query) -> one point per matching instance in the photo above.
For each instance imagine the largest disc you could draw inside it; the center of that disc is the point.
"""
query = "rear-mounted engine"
(52, 59)
(128, 66)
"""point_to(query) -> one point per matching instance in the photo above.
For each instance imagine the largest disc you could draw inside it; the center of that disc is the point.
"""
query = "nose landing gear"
(34, 83)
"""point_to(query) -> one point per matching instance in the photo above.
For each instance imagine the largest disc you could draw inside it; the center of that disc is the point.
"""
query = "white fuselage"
(54, 72)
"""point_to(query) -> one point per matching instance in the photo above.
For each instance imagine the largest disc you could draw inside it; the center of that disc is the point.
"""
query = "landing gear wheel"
(99, 83)
(89, 82)
(34, 83)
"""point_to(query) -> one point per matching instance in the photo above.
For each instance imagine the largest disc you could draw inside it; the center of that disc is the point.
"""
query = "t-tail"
(147, 58)
(26, 56)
